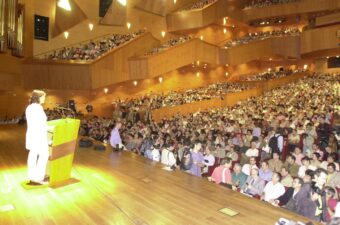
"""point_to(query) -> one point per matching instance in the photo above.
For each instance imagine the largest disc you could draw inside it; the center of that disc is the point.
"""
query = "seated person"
(252, 151)
(265, 173)
(209, 159)
(315, 160)
(286, 179)
(273, 188)
(231, 153)
(254, 184)
(306, 165)
(330, 159)
(298, 156)
(238, 178)
(331, 202)
(168, 157)
(290, 197)
(275, 164)
(247, 167)
(292, 167)
(333, 178)
(222, 173)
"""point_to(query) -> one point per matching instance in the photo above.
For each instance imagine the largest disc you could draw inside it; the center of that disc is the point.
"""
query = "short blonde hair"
(36, 95)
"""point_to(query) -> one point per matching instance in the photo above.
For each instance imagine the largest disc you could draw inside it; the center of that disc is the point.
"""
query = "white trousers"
(36, 164)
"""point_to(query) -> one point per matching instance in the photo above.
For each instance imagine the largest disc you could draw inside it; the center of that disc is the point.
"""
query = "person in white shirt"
(36, 138)
(168, 157)
(209, 159)
(248, 167)
(306, 165)
(253, 151)
(273, 188)
(155, 154)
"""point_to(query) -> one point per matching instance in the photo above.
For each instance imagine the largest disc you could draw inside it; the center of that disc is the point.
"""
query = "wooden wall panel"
(173, 58)
(288, 47)
(327, 20)
(320, 39)
(303, 6)
(183, 20)
(114, 67)
(283, 46)
(56, 76)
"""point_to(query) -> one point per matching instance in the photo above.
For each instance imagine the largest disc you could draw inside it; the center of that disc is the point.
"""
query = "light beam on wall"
(91, 26)
(64, 4)
(122, 2)
(128, 25)
(66, 34)
(163, 34)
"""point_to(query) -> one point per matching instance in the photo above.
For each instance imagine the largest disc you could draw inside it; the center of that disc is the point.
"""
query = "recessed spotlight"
(66, 34)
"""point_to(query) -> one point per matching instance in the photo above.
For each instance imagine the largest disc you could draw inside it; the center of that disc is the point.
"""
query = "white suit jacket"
(36, 134)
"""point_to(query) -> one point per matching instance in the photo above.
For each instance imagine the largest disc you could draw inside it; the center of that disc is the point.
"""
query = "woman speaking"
(36, 138)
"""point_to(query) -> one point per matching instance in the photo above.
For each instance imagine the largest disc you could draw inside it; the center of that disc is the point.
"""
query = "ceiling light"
(128, 25)
(160, 79)
(91, 26)
(163, 34)
(224, 30)
(106, 90)
(305, 66)
(64, 4)
(201, 37)
(197, 74)
(135, 83)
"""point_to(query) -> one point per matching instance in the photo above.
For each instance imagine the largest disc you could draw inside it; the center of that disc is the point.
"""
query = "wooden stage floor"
(120, 188)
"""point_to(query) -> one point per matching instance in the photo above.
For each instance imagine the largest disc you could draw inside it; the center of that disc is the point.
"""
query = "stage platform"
(120, 188)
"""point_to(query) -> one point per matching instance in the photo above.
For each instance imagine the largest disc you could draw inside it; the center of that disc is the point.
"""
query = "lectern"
(62, 142)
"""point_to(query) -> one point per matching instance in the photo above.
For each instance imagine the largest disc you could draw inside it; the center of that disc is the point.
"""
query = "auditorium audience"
(93, 49)
(171, 43)
(266, 3)
(269, 75)
(173, 98)
(198, 5)
(262, 36)
(219, 132)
